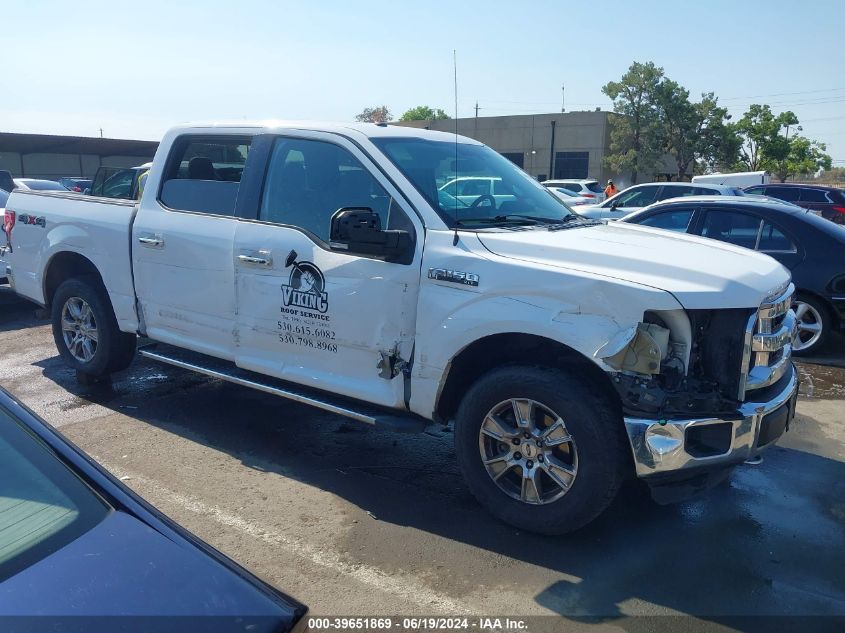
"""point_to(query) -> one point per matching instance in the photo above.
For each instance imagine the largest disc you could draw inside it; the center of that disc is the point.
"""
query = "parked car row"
(812, 248)
(788, 221)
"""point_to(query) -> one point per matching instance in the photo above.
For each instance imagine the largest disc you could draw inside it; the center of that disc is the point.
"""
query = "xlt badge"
(453, 276)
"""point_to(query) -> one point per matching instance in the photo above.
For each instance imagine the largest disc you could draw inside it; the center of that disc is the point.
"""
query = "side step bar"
(225, 370)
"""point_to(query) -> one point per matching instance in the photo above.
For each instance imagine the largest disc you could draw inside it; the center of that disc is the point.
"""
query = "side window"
(790, 194)
(114, 183)
(572, 186)
(701, 191)
(734, 227)
(638, 196)
(772, 239)
(309, 181)
(675, 192)
(755, 191)
(677, 221)
(814, 195)
(474, 188)
(203, 174)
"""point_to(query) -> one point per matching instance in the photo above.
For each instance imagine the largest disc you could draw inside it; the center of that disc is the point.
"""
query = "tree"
(423, 113)
(763, 145)
(378, 114)
(635, 135)
(804, 157)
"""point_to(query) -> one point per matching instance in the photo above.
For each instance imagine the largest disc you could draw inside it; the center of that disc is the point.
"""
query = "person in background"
(142, 181)
(611, 189)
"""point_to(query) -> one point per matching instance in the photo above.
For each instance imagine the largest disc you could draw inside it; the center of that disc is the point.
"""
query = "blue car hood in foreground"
(123, 567)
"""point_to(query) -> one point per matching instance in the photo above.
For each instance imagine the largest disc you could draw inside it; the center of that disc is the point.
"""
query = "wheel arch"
(65, 265)
(512, 348)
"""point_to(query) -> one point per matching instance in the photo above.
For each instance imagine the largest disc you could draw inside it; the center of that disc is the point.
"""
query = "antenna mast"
(455, 67)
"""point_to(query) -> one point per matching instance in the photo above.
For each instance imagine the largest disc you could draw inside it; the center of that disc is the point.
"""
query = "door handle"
(262, 258)
(147, 239)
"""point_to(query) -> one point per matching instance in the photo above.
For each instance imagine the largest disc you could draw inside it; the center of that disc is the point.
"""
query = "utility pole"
(101, 132)
(476, 109)
(562, 98)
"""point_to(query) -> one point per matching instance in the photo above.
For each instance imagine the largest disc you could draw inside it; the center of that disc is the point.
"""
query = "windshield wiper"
(573, 220)
(520, 220)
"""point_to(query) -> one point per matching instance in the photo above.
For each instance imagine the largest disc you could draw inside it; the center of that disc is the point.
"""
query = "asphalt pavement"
(356, 520)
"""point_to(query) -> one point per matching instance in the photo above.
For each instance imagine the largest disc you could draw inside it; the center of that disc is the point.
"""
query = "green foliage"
(636, 141)
(763, 143)
(423, 113)
(804, 157)
(694, 132)
(378, 114)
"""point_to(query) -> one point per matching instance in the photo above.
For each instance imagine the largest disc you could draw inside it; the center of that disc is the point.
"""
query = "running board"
(225, 370)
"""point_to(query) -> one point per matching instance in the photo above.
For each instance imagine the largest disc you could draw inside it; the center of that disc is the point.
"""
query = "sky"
(133, 69)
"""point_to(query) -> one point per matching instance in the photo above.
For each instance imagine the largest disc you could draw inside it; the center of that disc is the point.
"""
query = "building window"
(517, 158)
(571, 164)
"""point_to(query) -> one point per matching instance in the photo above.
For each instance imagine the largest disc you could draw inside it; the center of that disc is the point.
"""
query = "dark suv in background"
(830, 201)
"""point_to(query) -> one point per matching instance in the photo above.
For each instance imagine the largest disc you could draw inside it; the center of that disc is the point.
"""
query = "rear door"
(308, 310)
(750, 230)
(182, 245)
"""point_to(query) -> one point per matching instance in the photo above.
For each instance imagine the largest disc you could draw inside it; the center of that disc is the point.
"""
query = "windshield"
(472, 184)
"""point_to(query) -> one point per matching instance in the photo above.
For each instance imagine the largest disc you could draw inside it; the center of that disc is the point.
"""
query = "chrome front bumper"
(662, 447)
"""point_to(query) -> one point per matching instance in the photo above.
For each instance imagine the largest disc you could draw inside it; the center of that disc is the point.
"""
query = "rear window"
(203, 174)
(595, 187)
(790, 194)
(4, 196)
(43, 504)
(814, 195)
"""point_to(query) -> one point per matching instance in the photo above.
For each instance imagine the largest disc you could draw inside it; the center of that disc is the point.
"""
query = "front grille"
(768, 342)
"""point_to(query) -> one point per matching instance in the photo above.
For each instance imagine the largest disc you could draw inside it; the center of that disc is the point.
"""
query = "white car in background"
(640, 196)
(586, 187)
(570, 198)
(38, 184)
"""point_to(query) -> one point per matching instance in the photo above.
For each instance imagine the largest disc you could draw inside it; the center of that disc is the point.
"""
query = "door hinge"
(391, 364)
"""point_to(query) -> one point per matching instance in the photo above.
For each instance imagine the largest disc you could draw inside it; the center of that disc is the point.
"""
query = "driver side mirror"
(615, 203)
(358, 231)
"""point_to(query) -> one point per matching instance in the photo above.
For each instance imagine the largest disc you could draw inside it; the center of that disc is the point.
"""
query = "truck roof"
(370, 130)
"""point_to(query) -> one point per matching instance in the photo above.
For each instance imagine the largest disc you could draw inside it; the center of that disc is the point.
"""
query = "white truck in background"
(328, 264)
(740, 179)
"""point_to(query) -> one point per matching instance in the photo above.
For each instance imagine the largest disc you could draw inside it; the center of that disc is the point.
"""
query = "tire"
(83, 305)
(811, 313)
(596, 453)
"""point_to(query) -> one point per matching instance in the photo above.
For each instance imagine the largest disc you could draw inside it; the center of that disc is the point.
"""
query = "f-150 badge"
(453, 276)
(306, 286)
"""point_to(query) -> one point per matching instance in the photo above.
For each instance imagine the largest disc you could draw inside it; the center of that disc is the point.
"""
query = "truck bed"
(98, 229)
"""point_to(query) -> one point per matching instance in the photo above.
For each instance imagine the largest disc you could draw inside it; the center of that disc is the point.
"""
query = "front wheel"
(85, 329)
(813, 325)
(540, 448)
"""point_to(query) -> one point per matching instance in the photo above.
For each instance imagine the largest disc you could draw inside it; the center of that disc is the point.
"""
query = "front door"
(182, 242)
(316, 314)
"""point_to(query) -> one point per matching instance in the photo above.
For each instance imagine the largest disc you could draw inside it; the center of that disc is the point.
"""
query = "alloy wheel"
(527, 451)
(809, 326)
(79, 329)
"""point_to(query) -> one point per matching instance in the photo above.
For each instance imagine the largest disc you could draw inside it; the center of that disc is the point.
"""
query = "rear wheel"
(86, 331)
(540, 448)
(814, 323)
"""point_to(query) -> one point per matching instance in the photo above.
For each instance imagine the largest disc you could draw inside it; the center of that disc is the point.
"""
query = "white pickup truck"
(328, 264)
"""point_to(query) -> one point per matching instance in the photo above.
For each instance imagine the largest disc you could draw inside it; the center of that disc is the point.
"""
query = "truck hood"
(701, 273)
